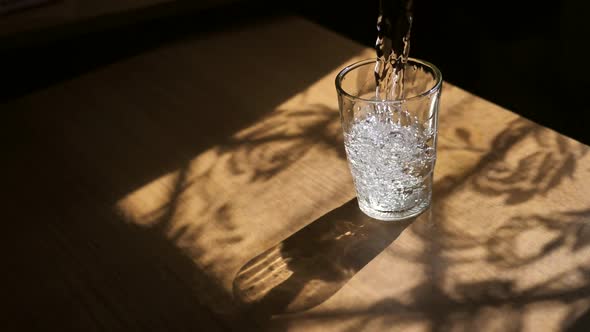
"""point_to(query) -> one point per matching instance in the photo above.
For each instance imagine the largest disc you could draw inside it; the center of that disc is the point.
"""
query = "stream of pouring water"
(394, 25)
(388, 151)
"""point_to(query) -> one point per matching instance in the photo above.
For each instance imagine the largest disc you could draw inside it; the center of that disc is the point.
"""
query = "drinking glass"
(390, 144)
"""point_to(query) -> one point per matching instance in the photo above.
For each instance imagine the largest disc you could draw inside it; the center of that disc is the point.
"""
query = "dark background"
(527, 56)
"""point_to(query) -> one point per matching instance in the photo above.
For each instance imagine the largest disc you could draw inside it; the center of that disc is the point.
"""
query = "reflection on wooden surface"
(163, 206)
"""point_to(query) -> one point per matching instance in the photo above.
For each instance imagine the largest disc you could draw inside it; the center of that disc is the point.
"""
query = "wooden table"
(202, 186)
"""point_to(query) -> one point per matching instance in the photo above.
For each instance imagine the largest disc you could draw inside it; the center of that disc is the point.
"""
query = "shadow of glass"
(310, 266)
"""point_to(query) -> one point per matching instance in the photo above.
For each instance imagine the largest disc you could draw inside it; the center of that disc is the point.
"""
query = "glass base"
(412, 212)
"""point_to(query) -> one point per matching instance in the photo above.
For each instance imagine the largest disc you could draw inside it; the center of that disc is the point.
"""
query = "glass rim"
(351, 67)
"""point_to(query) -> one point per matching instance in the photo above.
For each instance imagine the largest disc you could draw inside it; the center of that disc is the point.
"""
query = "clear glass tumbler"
(390, 144)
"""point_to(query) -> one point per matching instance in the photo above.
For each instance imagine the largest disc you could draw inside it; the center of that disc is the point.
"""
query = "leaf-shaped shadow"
(536, 173)
(281, 139)
(464, 135)
(570, 230)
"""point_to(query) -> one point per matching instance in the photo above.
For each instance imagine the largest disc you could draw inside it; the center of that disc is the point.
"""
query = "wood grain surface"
(203, 186)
